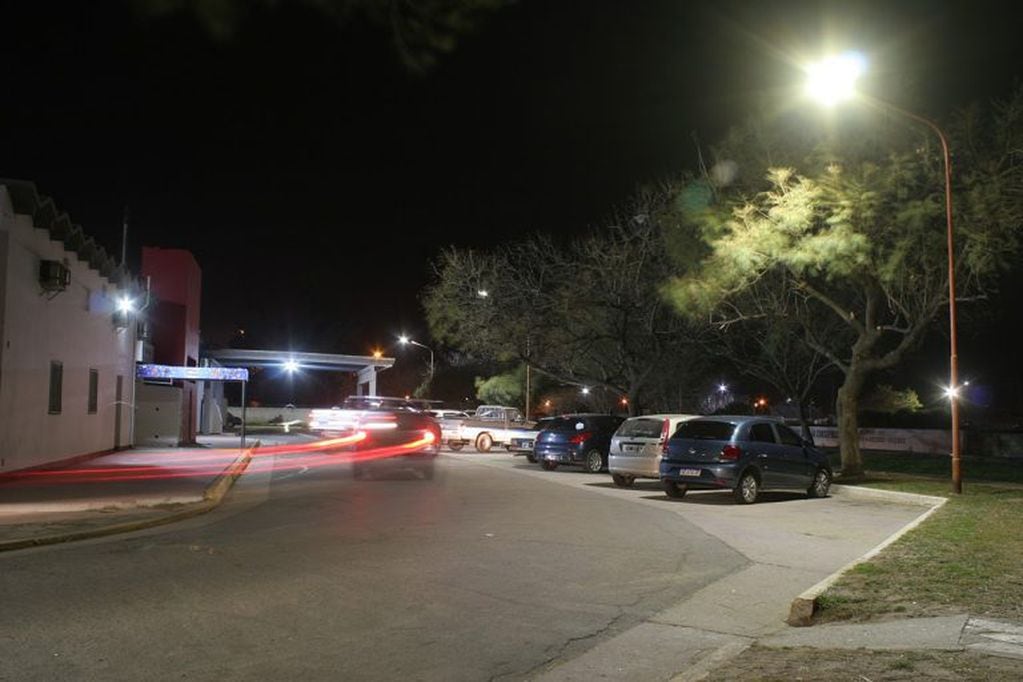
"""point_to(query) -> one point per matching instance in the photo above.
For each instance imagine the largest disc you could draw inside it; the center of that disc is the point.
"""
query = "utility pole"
(124, 236)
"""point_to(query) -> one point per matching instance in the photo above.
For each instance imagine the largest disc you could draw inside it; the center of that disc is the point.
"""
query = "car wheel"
(531, 458)
(821, 484)
(674, 490)
(455, 445)
(549, 465)
(748, 488)
(484, 442)
(593, 463)
(623, 481)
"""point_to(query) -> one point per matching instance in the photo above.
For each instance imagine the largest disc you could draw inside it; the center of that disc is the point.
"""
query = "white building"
(67, 354)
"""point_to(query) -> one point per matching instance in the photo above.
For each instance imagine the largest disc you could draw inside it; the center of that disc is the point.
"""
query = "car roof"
(742, 418)
(667, 416)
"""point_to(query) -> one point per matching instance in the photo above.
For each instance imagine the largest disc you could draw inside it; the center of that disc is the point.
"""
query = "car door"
(764, 449)
(797, 467)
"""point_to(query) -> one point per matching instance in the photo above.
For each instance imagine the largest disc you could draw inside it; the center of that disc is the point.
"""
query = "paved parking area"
(791, 541)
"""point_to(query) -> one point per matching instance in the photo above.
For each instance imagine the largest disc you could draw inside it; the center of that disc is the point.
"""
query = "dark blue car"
(744, 455)
(576, 439)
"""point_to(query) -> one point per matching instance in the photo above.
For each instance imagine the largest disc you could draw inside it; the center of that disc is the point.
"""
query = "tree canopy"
(857, 235)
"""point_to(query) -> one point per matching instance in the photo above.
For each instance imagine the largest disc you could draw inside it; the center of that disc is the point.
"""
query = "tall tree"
(589, 313)
(859, 237)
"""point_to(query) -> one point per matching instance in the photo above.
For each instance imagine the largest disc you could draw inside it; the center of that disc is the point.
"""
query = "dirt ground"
(762, 663)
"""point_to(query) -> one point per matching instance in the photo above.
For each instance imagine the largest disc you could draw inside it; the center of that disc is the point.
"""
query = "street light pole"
(833, 80)
(953, 362)
(405, 339)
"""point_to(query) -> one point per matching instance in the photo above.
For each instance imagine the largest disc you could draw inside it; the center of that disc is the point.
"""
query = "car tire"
(549, 465)
(455, 445)
(747, 489)
(593, 462)
(623, 481)
(821, 484)
(531, 458)
(484, 442)
(674, 489)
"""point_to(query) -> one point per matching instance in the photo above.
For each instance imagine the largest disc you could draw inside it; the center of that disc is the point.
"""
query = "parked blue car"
(576, 439)
(744, 455)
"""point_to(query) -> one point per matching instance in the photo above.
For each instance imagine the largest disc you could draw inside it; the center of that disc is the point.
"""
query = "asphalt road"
(493, 570)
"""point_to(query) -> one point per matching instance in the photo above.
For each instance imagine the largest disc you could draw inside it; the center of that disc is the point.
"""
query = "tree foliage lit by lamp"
(833, 80)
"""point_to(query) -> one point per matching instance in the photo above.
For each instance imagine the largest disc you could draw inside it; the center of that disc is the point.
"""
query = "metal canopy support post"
(243, 414)
(367, 376)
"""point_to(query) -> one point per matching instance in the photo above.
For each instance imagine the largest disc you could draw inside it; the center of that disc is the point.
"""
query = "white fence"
(899, 440)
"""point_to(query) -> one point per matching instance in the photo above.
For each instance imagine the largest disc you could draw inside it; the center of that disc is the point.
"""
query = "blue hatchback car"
(742, 454)
(576, 439)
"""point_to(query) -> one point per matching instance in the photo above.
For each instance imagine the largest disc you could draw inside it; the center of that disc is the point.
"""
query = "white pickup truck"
(490, 425)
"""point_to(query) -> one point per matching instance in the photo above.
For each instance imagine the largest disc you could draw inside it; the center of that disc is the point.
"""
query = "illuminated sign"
(192, 373)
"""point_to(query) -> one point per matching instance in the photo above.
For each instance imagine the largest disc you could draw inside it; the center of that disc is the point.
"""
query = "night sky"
(314, 176)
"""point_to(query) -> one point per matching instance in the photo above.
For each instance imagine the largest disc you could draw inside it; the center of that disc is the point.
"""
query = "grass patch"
(840, 665)
(966, 558)
(987, 469)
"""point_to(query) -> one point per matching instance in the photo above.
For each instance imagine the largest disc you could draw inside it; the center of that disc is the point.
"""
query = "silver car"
(638, 444)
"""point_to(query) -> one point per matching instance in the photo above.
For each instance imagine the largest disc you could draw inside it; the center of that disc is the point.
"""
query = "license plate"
(526, 444)
(630, 447)
(689, 472)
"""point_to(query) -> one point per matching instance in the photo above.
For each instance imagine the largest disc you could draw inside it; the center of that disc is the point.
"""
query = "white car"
(638, 444)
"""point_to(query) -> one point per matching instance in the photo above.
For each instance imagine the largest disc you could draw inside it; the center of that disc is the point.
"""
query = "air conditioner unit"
(54, 276)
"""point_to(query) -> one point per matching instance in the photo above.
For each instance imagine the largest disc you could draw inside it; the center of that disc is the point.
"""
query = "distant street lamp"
(404, 340)
(833, 80)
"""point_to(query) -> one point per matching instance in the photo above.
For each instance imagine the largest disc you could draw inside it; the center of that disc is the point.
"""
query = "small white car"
(638, 444)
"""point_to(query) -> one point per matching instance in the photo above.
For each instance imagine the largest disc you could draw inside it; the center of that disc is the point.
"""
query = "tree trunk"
(846, 404)
(804, 422)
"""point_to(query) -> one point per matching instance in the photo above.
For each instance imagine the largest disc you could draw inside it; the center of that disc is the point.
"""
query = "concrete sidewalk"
(116, 493)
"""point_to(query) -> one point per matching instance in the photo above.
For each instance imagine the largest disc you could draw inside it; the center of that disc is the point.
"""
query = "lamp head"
(833, 80)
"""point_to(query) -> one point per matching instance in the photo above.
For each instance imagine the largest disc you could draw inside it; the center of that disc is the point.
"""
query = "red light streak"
(211, 463)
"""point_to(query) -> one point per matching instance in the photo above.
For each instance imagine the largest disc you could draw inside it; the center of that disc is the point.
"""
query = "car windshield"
(705, 430)
(380, 403)
(643, 427)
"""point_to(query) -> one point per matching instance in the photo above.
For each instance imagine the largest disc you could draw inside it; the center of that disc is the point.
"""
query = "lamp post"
(404, 340)
(833, 80)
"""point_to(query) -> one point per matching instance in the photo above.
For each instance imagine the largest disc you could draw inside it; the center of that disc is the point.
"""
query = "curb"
(805, 605)
(862, 493)
(213, 495)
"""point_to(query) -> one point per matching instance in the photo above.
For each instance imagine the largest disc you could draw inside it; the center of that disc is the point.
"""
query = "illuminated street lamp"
(833, 80)
(404, 340)
(290, 366)
(482, 293)
(125, 305)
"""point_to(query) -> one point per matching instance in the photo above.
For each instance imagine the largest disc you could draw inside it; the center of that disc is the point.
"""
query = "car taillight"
(664, 436)
(731, 452)
(579, 438)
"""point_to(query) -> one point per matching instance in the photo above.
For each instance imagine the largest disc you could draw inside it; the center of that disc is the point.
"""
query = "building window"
(56, 386)
(93, 390)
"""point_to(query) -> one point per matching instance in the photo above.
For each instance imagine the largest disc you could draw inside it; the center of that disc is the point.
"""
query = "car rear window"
(568, 424)
(705, 430)
(643, 427)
